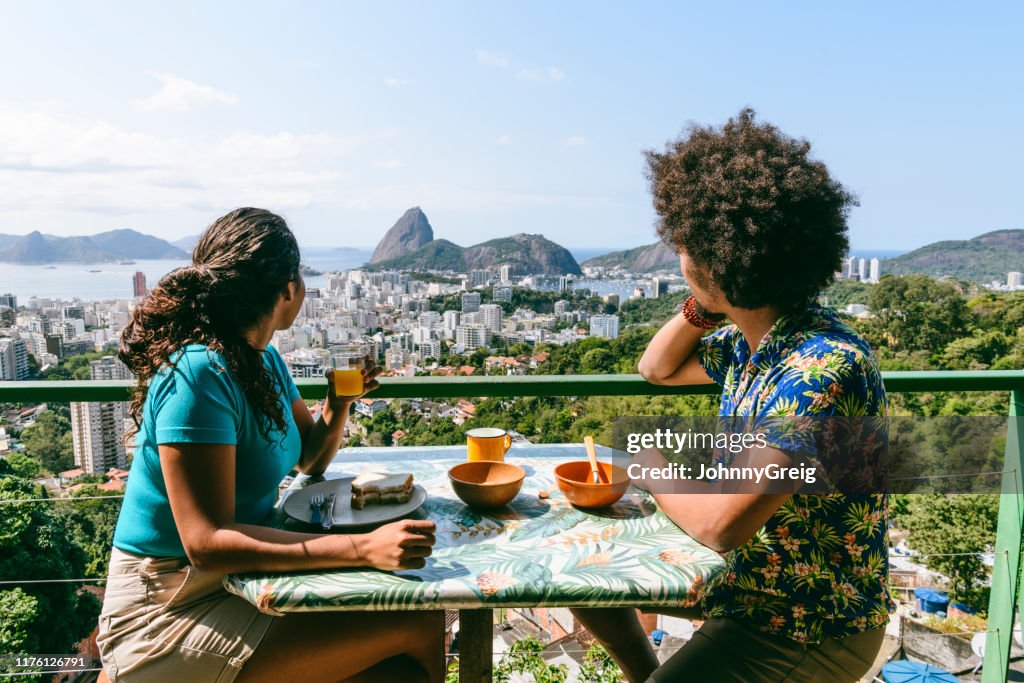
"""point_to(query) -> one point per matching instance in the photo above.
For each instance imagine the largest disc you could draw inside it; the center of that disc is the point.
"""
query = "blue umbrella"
(905, 671)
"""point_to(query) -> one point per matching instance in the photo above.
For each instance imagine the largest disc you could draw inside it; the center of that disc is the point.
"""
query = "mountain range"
(410, 245)
(981, 259)
(113, 245)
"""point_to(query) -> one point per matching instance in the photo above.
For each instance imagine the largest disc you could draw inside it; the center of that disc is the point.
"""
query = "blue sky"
(524, 117)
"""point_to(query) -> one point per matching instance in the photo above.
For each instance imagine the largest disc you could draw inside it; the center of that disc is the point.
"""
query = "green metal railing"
(1006, 596)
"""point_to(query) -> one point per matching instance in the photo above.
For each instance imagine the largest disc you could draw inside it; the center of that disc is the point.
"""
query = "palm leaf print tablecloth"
(535, 552)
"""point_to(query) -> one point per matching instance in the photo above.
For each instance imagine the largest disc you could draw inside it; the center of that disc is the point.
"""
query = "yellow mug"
(487, 443)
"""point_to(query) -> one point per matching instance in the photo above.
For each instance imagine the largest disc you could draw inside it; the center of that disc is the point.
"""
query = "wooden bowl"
(486, 483)
(577, 483)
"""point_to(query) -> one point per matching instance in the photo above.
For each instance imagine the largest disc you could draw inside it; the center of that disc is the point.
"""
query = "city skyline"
(497, 120)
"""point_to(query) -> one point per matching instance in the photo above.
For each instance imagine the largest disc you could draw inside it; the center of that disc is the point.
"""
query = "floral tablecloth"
(535, 552)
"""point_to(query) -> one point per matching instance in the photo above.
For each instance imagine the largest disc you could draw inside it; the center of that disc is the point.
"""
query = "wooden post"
(1006, 576)
(476, 645)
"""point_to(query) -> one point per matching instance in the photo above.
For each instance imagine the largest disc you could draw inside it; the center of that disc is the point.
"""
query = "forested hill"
(980, 259)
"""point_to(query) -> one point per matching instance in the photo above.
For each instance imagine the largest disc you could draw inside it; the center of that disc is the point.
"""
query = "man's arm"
(706, 512)
(671, 357)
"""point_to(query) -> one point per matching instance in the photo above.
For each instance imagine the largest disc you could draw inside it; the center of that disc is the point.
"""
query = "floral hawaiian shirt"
(819, 566)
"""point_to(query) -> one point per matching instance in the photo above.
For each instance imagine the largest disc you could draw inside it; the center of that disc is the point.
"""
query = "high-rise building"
(564, 283)
(492, 316)
(1014, 280)
(875, 271)
(501, 293)
(139, 284)
(851, 267)
(508, 273)
(9, 300)
(659, 287)
(472, 336)
(97, 429)
(604, 326)
(479, 278)
(73, 313)
(451, 320)
(430, 349)
(612, 300)
(13, 359)
(562, 306)
(40, 324)
(862, 269)
(470, 302)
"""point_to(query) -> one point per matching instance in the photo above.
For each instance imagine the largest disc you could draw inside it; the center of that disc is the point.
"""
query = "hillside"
(112, 245)
(410, 232)
(410, 245)
(646, 259)
(981, 259)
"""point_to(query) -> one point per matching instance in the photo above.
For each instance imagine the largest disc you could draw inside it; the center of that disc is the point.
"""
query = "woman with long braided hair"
(220, 423)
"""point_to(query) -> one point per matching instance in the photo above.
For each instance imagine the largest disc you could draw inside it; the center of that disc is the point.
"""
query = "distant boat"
(95, 271)
(129, 262)
(49, 267)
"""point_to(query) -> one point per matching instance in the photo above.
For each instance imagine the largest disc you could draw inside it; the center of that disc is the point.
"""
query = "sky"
(494, 118)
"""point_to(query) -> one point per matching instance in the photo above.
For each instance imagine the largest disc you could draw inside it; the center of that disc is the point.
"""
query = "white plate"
(297, 504)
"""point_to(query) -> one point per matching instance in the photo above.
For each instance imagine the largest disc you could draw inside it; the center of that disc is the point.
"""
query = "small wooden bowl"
(486, 483)
(577, 483)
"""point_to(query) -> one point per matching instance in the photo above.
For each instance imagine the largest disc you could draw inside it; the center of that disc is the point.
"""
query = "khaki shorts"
(724, 650)
(164, 620)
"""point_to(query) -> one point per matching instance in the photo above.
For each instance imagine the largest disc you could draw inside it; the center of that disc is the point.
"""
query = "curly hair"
(240, 267)
(763, 223)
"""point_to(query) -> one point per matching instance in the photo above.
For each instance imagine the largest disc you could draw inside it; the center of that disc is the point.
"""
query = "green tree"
(91, 524)
(40, 618)
(916, 312)
(949, 525)
(23, 466)
(48, 441)
(524, 657)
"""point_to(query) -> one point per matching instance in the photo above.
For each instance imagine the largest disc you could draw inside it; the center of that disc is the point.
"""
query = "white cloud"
(390, 163)
(502, 140)
(181, 94)
(488, 58)
(393, 82)
(575, 141)
(51, 163)
(537, 73)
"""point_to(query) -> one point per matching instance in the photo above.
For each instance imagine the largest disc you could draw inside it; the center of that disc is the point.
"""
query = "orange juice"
(487, 443)
(348, 382)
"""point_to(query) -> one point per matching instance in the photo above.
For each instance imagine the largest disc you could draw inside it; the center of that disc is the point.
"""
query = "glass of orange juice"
(348, 362)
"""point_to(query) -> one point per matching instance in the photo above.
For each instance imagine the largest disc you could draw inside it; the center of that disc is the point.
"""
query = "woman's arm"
(322, 439)
(671, 356)
(200, 480)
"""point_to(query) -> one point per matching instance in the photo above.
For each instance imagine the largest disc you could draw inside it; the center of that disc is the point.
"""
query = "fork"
(316, 502)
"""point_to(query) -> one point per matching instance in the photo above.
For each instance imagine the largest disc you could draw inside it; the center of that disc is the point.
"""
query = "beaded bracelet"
(698, 317)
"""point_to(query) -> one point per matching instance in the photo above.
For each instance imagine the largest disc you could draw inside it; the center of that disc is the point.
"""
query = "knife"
(329, 513)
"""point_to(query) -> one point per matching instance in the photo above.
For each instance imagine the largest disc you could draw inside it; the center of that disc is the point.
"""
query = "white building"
(97, 429)
(562, 306)
(13, 359)
(508, 273)
(469, 337)
(875, 270)
(492, 316)
(1014, 280)
(604, 326)
(862, 269)
(451, 321)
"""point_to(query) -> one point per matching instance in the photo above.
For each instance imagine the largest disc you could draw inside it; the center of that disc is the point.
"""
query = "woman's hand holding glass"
(347, 385)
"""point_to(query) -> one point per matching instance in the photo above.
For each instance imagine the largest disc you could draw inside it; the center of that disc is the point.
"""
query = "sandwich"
(381, 488)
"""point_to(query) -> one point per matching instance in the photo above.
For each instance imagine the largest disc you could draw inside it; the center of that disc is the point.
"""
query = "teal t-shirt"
(199, 401)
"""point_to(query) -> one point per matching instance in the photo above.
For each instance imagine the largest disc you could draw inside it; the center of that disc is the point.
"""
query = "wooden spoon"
(588, 441)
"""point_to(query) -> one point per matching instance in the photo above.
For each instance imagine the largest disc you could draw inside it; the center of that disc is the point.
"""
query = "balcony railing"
(1006, 594)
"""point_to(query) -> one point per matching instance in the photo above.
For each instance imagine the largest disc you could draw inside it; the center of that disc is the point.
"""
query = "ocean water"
(98, 281)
